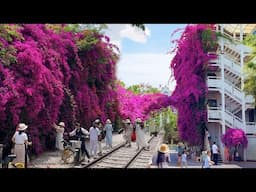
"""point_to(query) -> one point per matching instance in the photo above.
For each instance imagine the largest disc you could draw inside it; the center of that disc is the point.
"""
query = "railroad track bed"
(126, 157)
(144, 158)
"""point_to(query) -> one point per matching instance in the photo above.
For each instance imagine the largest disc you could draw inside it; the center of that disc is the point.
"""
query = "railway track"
(126, 157)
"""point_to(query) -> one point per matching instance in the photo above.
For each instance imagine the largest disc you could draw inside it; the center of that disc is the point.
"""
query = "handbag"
(133, 136)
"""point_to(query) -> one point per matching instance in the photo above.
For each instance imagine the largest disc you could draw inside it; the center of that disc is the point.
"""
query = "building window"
(251, 115)
(212, 102)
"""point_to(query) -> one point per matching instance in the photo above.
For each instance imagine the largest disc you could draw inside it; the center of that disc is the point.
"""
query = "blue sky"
(159, 40)
(143, 55)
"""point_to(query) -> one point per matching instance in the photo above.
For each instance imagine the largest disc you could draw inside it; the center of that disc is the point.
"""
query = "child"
(163, 160)
(184, 159)
(207, 163)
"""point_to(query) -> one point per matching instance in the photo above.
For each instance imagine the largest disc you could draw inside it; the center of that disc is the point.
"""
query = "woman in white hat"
(128, 129)
(59, 135)
(20, 139)
(140, 135)
(108, 128)
(163, 156)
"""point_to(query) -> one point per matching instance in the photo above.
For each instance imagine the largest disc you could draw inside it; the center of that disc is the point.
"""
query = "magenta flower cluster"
(140, 105)
(52, 79)
(234, 137)
(190, 65)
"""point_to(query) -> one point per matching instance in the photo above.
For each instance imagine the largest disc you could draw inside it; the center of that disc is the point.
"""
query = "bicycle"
(7, 163)
(72, 152)
(68, 153)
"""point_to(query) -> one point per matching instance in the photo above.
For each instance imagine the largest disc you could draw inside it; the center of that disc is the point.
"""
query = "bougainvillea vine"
(190, 66)
(234, 137)
(49, 74)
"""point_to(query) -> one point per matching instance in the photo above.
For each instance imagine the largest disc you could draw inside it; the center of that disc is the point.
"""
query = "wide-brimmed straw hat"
(62, 124)
(164, 148)
(22, 127)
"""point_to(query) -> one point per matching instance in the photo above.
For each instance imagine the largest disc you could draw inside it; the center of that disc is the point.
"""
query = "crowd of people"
(138, 130)
(90, 140)
(98, 132)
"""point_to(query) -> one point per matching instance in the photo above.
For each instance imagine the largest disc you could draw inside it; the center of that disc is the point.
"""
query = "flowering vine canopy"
(233, 137)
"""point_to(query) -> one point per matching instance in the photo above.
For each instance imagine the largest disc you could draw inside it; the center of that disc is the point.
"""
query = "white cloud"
(118, 31)
(146, 68)
(135, 34)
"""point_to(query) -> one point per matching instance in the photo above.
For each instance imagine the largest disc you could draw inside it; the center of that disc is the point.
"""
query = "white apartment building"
(228, 106)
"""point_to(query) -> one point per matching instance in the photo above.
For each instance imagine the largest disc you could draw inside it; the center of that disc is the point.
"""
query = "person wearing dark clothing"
(80, 134)
(163, 160)
(7, 147)
(215, 151)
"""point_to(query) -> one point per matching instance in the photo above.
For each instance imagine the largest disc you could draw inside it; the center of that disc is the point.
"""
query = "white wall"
(215, 131)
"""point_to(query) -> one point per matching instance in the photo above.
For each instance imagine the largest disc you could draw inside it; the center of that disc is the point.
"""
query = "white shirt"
(20, 138)
(94, 133)
(214, 149)
(84, 131)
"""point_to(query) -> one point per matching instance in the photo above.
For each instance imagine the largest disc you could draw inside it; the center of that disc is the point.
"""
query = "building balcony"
(214, 82)
(214, 114)
(249, 99)
(250, 127)
(231, 65)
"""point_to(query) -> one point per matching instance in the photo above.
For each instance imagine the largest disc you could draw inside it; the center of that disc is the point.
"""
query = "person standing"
(184, 159)
(163, 156)
(140, 134)
(94, 134)
(215, 152)
(101, 135)
(59, 135)
(80, 133)
(207, 140)
(180, 150)
(207, 160)
(226, 155)
(128, 129)
(20, 140)
(108, 129)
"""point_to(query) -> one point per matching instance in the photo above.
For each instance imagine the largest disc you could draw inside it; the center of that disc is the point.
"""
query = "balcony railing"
(232, 90)
(214, 62)
(238, 122)
(229, 117)
(233, 120)
(214, 113)
(214, 82)
(231, 65)
(250, 127)
(249, 99)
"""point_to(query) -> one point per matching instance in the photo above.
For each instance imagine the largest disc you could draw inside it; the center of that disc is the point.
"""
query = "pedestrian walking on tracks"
(108, 129)
(140, 135)
(81, 134)
(128, 129)
(94, 137)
